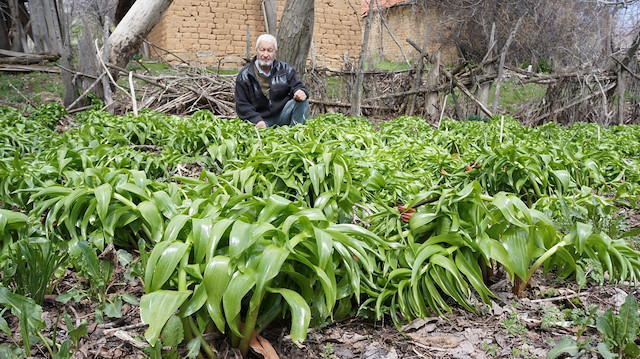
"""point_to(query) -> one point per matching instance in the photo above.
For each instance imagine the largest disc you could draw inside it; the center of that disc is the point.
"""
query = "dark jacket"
(252, 104)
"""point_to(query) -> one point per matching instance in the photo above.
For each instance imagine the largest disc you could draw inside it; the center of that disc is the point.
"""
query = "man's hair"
(267, 38)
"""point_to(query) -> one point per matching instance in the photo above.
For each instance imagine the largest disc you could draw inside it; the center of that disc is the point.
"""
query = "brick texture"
(409, 22)
(190, 28)
(220, 28)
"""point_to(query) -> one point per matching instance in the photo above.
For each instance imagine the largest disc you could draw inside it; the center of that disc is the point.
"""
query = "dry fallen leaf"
(262, 347)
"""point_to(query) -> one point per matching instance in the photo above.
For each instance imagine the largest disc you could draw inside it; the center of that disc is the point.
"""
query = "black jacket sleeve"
(245, 109)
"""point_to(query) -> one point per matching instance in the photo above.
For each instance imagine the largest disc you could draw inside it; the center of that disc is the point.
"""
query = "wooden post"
(106, 87)
(356, 99)
(422, 54)
(431, 98)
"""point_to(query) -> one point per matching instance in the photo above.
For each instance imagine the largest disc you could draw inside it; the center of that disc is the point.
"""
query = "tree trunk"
(270, 17)
(620, 89)
(483, 89)
(356, 96)
(87, 60)
(431, 98)
(503, 56)
(133, 28)
(621, 85)
(16, 27)
(4, 35)
(66, 57)
(295, 32)
(39, 29)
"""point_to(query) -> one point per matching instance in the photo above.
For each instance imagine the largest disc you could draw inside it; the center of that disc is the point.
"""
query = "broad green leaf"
(132, 189)
(216, 278)
(103, 195)
(274, 208)
(516, 241)
(473, 274)
(163, 261)
(605, 350)
(4, 326)
(565, 345)
(218, 231)
(324, 245)
(627, 323)
(316, 174)
(511, 207)
(156, 308)
(165, 204)
(202, 235)
(174, 227)
(88, 256)
(11, 220)
(239, 285)
(243, 235)
(23, 307)
(172, 333)
(153, 220)
(271, 260)
(338, 177)
(606, 324)
(300, 313)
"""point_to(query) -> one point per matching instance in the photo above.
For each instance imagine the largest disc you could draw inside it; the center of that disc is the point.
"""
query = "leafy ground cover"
(203, 236)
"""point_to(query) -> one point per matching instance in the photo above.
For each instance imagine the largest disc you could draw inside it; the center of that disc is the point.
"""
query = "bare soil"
(510, 328)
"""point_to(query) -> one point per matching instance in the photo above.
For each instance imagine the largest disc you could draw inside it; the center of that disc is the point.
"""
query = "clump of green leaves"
(514, 325)
(618, 332)
(551, 316)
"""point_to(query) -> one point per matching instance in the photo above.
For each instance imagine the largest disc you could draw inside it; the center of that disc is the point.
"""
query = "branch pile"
(186, 92)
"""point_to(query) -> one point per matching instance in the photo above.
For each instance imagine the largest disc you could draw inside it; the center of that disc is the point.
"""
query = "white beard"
(265, 64)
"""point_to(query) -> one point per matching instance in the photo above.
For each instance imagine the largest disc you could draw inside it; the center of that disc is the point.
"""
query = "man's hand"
(299, 95)
(261, 124)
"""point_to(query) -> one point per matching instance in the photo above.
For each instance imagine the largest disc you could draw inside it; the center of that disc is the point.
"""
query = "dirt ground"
(526, 327)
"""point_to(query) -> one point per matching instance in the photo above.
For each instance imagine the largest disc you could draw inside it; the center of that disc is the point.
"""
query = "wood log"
(28, 59)
(28, 68)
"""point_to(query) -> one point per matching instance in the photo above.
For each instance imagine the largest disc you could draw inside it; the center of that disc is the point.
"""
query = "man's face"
(266, 54)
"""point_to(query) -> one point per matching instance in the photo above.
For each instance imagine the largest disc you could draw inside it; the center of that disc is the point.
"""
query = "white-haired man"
(268, 92)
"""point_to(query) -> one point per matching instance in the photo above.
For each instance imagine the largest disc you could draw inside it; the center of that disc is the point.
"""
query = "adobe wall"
(214, 32)
(409, 22)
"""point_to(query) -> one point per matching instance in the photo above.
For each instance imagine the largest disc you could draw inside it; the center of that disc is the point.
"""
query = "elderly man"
(268, 92)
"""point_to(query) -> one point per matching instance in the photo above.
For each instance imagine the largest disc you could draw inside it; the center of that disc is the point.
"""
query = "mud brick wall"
(409, 22)
(214, 32)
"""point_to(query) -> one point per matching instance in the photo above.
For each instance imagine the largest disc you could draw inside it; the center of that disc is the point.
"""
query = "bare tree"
(295, 33)
(133, 28)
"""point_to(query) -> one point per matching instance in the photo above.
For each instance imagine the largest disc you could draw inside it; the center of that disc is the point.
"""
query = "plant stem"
(203, 343)
(44, 341)
(249, 328)
(535, 186)
(543, 258)
(124, 200)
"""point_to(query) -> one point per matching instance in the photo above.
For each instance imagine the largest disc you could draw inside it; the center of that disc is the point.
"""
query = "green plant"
(327, 352)
(514, 325)
(491, 349)
(28, 313)
(620, 331)
(31, 266)
(551, 316)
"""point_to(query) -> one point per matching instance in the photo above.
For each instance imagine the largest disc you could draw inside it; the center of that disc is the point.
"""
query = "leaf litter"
(511, 327)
